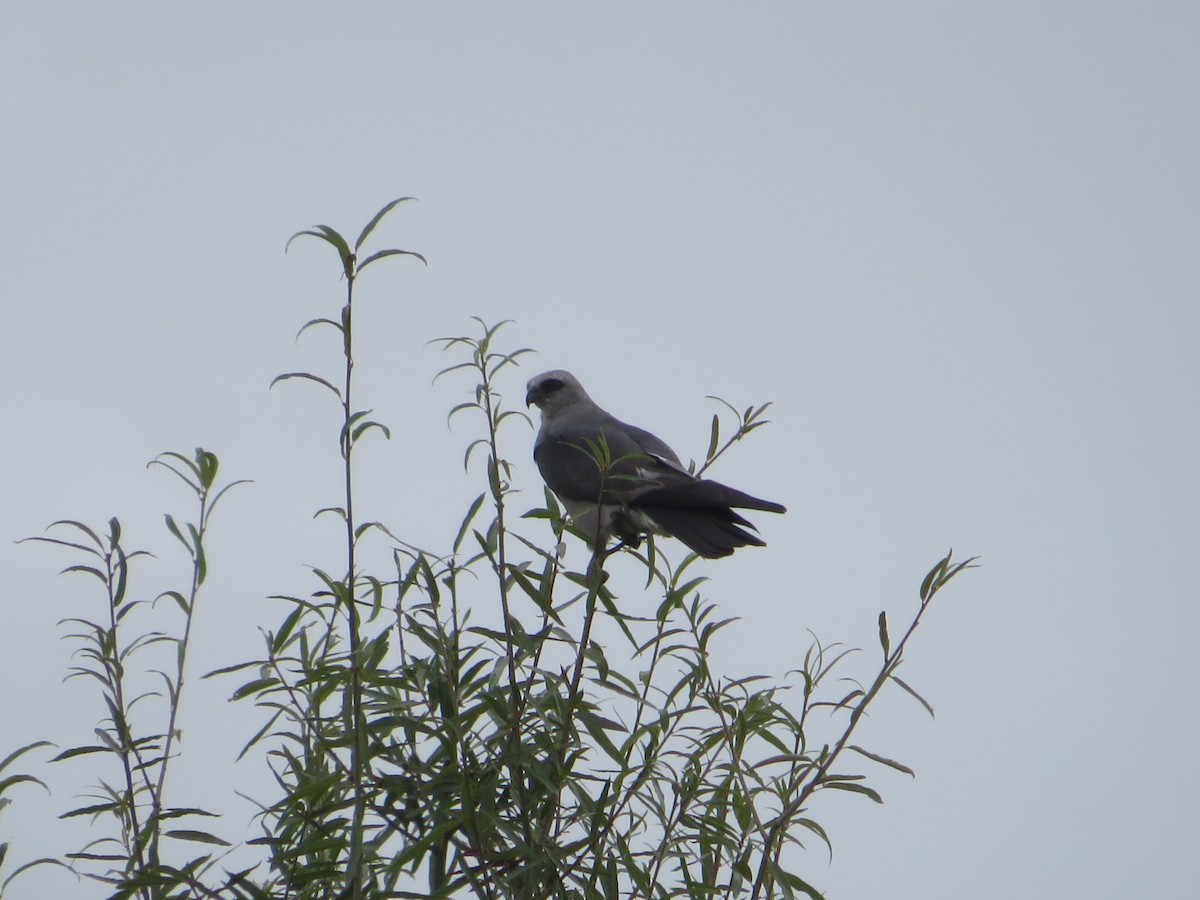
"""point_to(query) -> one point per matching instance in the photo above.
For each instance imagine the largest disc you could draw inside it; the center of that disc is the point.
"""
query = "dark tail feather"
(712, 533)
(700, 513)
(707, 495)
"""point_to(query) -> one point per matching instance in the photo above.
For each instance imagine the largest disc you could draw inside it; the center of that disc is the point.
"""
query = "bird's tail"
(700, 513)
(701, 494)
(712, 533)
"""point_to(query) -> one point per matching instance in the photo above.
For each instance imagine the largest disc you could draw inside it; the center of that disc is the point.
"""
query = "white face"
(553, 390)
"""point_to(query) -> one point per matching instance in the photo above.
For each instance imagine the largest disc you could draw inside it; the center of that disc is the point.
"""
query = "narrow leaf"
(466, 522)
(854, 789)
(928, 585)
(202, 837)
(4, 763)
(376, 219)
(307, 376)
(883, 760)
(914, 694)
(383, 254)
(174, 529)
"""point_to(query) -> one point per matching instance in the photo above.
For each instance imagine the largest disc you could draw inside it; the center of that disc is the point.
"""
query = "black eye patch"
(550, 385)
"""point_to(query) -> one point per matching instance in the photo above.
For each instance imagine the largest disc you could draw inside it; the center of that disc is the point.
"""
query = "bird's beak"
(530, 396)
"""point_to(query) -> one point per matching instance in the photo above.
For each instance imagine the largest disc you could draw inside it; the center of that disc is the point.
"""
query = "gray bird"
(647, 490)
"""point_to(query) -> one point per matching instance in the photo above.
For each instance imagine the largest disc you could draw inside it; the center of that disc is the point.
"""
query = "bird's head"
(554, 391)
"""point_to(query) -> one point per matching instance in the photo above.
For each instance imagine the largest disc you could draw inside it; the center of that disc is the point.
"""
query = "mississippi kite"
(647, 490)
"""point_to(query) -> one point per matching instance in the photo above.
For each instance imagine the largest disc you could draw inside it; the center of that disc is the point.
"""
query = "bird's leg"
(626, 543)
(627, 530)
(597, 562)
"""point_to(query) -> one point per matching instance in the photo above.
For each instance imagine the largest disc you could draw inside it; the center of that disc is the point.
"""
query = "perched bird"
(646, 489)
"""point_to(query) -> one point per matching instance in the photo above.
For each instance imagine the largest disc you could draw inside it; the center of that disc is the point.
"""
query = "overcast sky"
(956, 244)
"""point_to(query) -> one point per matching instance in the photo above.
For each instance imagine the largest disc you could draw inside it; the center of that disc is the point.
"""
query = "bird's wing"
(701, 514)
(699, 492)
(639, 460)
(645, 488)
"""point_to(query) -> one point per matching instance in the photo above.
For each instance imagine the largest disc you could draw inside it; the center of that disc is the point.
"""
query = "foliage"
(134, 802)
(419, 749)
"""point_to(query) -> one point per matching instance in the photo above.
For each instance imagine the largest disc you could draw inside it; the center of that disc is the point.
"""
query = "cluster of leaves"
(419, 751)
(134, 801)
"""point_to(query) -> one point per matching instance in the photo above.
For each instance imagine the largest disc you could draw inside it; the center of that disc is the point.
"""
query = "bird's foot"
(597, 562)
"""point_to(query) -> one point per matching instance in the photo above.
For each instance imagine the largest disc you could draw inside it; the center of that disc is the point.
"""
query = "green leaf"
(201, 837)
(819, 831)
(883, 760)
(6, 783)
(21, 751)
(376, 219)
(598, 727)
(478, 442)
(383, 254)
(174, 529)
(279, 640)
(179, 599)
(121, 570)
(460, 408)
(466, 522)
(163, 460)
(93, 810)
(69, 544)
(306, 233)
(309, 377)
(208, 465)
(311, 322)
(254, 687)
(544, 602)
(180, 811)
(201, 565)
(932, 581)
(81, 527)
(90, 570)
(221, 493)
(335, 240)
(792, 882)
(883, 635)
(79, 751)
(365, 426)
(854, 789)
(914, 694)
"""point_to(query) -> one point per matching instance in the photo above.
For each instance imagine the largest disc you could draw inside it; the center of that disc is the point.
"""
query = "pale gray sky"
(955, 243)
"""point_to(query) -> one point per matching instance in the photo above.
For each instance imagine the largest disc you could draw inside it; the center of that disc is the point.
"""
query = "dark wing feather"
(648, 477)
(712, 532)
(700, 513)
(705, 494)
(652, 444)
(639, 461)
(568, 470)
